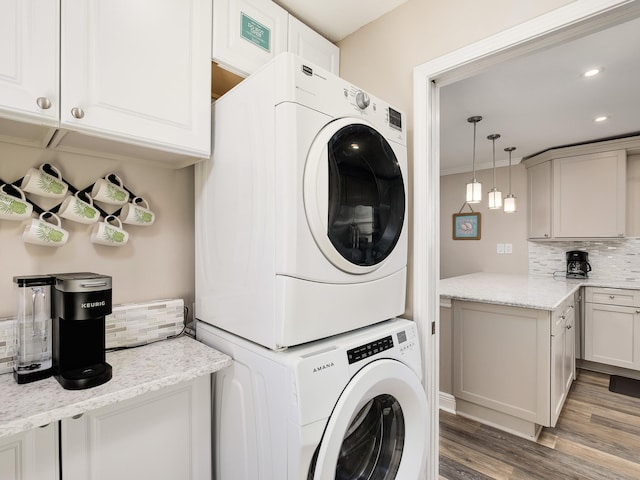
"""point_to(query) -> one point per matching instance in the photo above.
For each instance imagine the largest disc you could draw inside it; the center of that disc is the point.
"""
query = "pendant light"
(495, 195)
(510, 200)
(474, 188)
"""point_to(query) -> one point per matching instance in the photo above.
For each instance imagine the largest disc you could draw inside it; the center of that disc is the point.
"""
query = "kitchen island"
(509, 344)
(512, 341)
(151, 420)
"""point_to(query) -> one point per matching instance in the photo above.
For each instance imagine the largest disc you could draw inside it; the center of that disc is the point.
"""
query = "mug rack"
(84, 193)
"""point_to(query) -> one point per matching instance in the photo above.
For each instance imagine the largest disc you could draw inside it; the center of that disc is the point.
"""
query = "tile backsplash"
(128, 325)
(611, 260)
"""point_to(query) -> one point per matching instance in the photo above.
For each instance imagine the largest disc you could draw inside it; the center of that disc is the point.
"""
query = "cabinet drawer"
(613, 296)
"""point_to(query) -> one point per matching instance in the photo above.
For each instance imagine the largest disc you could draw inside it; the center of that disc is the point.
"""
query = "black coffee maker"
(81, 301)
(578, 264)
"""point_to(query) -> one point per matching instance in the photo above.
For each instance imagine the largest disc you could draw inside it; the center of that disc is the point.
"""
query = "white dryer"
(351, 407)
(301, 228)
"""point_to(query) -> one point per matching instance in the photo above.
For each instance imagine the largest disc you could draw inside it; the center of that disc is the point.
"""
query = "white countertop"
(135, 371)
(528, 291)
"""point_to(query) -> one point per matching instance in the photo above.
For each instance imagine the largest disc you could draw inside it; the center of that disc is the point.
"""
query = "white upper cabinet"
(138, 72)
(589, 195)
(539, 204)
(119, 78)
(247, 33)
(310, 45)
(575, 194)
(29, 70)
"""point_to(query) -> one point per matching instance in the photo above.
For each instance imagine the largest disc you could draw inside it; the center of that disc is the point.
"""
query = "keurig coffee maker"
(578, 265)
(81, 301)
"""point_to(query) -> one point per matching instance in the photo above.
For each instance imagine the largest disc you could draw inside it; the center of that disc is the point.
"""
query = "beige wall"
(458, 257)
(381, 56)
(157, 262)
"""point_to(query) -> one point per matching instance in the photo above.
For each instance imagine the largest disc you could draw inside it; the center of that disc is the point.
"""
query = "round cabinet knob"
(43, 102)
(77, 112)
(569, 327)
(362, 100)
(612, 296)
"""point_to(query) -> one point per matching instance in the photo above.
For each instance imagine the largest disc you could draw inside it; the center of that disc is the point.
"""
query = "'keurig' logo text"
(93, 304)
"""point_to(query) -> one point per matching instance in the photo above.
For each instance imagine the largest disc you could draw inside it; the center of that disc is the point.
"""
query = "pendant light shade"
(474, 188)
(495, 195)
(510, 200)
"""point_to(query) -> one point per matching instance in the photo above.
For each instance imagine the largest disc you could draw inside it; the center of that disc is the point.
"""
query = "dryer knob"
(362, 100)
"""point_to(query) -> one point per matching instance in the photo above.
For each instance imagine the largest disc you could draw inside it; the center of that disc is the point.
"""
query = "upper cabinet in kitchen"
(133, 76)
(249, 33)
(589, 195)
(578, 192)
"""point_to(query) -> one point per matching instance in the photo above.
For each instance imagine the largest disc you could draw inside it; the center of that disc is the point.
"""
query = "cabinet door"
(247, 33)
(138, 72)
(539, 205)
(612, 335)
(31, 455)
(164, 435)
(310, 45)
(558, 363)
(29, 71)
(589, 195)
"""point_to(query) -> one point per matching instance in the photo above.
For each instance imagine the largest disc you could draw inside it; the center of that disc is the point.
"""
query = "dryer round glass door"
(372, 435)
(354, 195)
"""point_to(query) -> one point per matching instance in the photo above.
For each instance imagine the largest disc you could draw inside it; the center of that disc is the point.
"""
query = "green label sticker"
(255, 32)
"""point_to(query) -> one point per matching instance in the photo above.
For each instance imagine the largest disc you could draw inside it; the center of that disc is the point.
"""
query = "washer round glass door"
(373, 435)
(354, 195)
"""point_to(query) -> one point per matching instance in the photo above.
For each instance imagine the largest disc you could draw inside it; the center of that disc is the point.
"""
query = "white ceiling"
(540, 101)
(335, 19)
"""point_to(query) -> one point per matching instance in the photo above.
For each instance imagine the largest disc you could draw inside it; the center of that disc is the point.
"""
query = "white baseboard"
(447, 402)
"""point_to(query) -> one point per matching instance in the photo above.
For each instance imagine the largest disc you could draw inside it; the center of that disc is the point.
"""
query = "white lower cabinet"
(30, 455)
(612, 327)
(164, 435)
(563, 357)
(512, 366)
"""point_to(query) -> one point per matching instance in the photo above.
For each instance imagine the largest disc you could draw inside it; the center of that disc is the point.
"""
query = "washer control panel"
(368, 349)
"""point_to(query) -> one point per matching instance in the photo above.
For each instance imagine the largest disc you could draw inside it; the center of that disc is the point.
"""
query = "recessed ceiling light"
(601, 118)
(592, 72)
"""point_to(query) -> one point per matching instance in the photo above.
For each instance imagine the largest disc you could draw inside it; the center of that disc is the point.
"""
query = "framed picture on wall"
(466, 226)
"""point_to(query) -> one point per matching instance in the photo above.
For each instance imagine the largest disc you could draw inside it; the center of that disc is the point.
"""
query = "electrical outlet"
(508, 248)
(500, 248)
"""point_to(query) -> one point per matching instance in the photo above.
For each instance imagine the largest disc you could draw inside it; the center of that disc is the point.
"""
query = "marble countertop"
(528, 291)
(136, 371)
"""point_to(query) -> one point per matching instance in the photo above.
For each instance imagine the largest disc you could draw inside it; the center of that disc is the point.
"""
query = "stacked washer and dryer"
(301, 254)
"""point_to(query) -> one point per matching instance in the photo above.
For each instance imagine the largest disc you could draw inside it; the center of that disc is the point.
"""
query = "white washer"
(300, 213)
(349, 407)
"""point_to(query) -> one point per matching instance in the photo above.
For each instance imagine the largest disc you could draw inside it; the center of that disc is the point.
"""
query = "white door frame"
(571, 21)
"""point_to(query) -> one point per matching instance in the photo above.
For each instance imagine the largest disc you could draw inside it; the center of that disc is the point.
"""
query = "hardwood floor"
(597, 437)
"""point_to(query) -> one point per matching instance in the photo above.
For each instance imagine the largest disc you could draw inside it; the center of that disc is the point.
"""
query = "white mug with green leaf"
(76, 209)
(137, 213)
(110, 189)
(40, 182)
(46, 230)
(11, 207)
(109, 232)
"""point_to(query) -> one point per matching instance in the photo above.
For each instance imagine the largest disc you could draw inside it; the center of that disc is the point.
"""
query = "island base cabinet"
(501, 360)
(30, 455)
(164, 435)
(512, 366)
